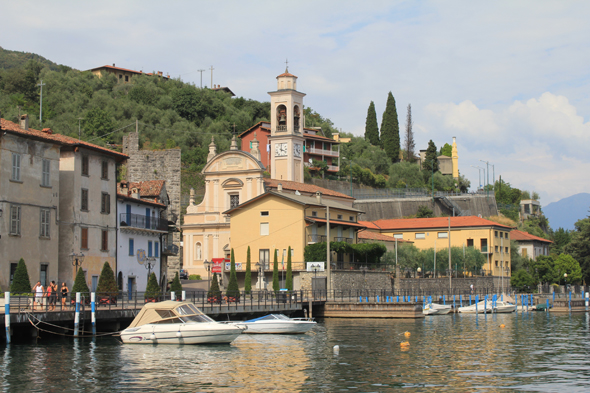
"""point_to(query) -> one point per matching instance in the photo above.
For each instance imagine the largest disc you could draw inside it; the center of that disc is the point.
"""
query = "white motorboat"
(436, 309)
(504, 307)
(479, 308)
(277, 324)
(172, 322)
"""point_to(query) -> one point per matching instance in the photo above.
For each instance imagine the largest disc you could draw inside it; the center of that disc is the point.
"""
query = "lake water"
(533, 352)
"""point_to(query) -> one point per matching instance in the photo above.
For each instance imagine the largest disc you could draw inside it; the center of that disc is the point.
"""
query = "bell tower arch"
(286, 129)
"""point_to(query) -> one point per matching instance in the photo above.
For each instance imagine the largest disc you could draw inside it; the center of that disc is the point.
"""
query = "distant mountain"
(565, 212)
(14, 59)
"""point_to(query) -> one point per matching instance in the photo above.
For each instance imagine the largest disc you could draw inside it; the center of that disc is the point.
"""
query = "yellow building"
(491, 238)
(124, 75)
(279, 220)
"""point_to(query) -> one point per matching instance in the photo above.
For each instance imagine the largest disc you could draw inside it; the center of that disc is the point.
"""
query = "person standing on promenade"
(52, 295)
(38, 291)
(64, 294)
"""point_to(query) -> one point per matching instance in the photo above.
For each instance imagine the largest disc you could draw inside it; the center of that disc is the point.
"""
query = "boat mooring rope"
(36, 326)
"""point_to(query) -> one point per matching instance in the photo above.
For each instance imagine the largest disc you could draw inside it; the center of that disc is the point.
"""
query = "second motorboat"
(277, 324)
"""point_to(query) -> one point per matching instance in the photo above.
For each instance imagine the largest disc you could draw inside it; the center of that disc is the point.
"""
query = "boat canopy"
(270, 317)
(169, 312)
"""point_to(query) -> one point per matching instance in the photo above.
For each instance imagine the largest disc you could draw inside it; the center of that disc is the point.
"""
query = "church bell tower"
(286, 130)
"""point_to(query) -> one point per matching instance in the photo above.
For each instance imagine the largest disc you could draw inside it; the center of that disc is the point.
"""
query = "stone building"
(144, 165)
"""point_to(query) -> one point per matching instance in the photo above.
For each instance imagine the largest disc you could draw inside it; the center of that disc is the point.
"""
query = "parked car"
(183, 274)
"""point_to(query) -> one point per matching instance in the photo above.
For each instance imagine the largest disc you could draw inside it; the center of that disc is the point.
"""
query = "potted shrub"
(81, 286)
(176, 287)
(152, 290)
(233, 291)
(107, 289)
(214, 294)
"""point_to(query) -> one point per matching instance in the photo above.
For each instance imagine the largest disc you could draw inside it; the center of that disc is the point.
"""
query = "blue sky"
(509, 79)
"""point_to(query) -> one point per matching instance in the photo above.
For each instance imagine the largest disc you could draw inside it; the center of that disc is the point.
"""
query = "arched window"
(198, 253)
(296, 117)
(281, 118)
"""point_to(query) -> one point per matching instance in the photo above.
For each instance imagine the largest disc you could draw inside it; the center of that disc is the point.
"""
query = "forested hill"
(14, 59)
(171, 113)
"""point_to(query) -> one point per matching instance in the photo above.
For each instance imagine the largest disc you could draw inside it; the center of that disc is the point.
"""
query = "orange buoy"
(502, 326)
(407, 334)
(404, 344)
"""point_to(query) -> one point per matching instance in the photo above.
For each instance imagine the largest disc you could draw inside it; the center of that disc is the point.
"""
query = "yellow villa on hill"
(491, 238)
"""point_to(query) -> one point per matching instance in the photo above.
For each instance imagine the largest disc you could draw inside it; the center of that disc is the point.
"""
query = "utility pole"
(212, 76)
(488, 178)
(79, 129)
(41, 105)
(201, 71)
(328, 267)
(450, 270)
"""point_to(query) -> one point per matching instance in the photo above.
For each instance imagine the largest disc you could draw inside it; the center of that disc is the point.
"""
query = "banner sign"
(217, 263)
(228, 266)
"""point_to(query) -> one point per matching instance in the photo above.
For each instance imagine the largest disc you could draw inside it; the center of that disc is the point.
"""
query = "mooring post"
(547, 308)
(183, 296)
(7, 315)
(444, 300)
(476, 301)
(93, 312)
(397, 300)
(77, 315)
(310, 309)
(570, 301)
(587, 300)
(461, 300)
(470, 300)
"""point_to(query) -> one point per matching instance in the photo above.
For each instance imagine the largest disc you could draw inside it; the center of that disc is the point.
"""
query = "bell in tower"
(282, 118)
(296, 117)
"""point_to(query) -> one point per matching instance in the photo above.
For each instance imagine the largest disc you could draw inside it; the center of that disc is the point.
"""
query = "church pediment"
(233, 161)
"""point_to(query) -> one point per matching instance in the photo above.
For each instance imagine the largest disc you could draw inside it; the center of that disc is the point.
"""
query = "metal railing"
(143, 222)
(313, 150)
(343, 239)
(316, 238)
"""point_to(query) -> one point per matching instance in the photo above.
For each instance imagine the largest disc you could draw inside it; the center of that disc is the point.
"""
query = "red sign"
(217, 263)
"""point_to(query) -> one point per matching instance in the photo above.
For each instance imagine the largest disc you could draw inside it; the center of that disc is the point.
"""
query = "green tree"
(542, 269)
(405, 175)
(409, 144)
(152, 289)
(233, 291)
(289, 282)
(431, 160)
(390, 130)
(80, 283)
(107, 285)
(579, 246)
(248, 275)
(176, 286)
(371, 126)
(522, 281)
(275, 273)
(561, 238)
(446, 150)
(424, 212)
(98, 123)
(20, 282)
(214, 293)
(565, 263)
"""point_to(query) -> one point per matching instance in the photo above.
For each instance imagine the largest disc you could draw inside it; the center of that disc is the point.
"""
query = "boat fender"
(153, 337)
(502, 326)
(336, 349)
(179, 334)
(407, 334)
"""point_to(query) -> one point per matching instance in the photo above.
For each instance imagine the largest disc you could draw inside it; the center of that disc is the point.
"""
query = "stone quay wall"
(145, 165)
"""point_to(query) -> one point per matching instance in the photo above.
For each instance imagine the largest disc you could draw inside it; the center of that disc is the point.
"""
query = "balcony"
(331, 168)
(316, 239)
(313, 150)
(143, 222)
(343, 239)
(170, 249)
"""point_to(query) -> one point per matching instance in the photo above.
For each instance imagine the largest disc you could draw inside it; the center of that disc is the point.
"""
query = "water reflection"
(533, 351)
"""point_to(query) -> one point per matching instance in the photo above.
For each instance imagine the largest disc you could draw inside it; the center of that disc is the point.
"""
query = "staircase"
(451, 205)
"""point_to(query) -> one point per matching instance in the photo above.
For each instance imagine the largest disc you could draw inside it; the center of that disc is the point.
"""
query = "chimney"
(280, 188)
(47, 131)
(113, 64)
(135, 193)
(318, 196)
(24, 122)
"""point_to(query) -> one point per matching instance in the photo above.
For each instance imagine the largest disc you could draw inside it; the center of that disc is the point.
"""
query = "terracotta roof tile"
(436, 222)
(286, 74)
(64, 140)
(303, 187)
(368, 235)
(517, 235)
(127, 70)
(148, 188)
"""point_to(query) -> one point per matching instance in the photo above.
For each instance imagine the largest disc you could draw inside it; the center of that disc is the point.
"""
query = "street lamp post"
(77, 260)
(149, 265)
(419, 270)
(207, 265)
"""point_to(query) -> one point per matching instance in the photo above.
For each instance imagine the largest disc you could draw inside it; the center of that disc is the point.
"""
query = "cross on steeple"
(234, 126)
(287, 65)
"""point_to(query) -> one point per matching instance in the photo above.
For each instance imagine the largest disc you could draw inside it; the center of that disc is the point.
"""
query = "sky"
(510, 80)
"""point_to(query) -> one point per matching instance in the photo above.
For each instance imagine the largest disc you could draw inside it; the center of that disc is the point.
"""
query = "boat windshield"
(271, 317)
(189, 313)
(196, 318)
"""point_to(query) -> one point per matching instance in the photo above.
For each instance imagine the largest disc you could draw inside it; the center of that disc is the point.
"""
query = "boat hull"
(436, 309)
(213, 333)
(279, 327)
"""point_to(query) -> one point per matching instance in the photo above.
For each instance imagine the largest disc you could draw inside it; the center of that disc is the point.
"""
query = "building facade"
(140, 233)
(29, 202)
(530, 246)
(491, 238)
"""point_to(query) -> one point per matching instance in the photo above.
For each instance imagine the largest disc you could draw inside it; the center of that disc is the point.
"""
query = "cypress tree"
(21, 283)
(80, 283)
(371, 127)
(248, 276)
(431, 158)
(107, 286)
(176, 286)
(289, 283)
(214, 293)
(409, 143)
(390, 130)
(275, 274)
(152, 290)
(233, 291)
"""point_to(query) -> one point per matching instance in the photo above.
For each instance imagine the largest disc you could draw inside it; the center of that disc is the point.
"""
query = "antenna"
(212, 76)
(41, 105)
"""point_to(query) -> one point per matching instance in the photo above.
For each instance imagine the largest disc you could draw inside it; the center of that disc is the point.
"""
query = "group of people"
(50, 293)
